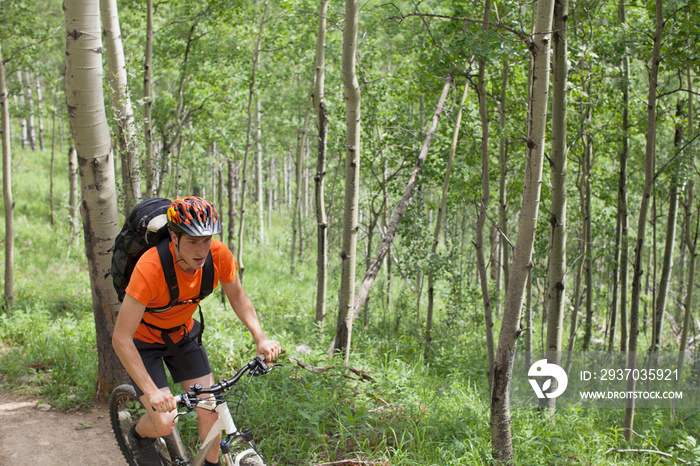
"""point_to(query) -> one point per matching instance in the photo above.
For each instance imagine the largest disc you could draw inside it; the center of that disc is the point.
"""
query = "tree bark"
(9, 287)
(88, 120)
(39, 111)
(319, 179)
(31, 127)
(660, 304)
(622, 199)
(587, 226)
(121, 104)
(556, 292)
(150, 159)
(501, 437)
(637, 270)
(504, 246)
(348, 254)
(296, 211)
(483, 204)
(259, 170)
(690, 241)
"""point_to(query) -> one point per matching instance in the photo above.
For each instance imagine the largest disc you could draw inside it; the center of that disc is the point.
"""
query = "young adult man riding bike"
(144, 340)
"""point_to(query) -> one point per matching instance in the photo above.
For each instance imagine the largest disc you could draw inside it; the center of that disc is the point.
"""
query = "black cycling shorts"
(154, 355)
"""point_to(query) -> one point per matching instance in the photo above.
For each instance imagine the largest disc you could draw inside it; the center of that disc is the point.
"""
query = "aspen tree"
(88, 120)
(637, 271)
(501, 436)
(9, 286)
(121, 103)
(348, 254)
(319, 179)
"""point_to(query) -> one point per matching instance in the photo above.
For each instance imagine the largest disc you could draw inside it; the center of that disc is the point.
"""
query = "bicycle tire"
(250, 458)
(125, 410)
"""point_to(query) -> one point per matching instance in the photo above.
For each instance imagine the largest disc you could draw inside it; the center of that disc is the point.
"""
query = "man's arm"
(128, 320)
(243, 307)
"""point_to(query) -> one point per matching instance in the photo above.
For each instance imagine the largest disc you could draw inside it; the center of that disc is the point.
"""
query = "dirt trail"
(30, 436)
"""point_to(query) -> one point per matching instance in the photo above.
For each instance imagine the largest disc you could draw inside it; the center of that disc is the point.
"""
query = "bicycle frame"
(223, 423)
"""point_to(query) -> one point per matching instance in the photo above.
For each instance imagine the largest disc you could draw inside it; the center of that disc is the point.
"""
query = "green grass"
(413, 412)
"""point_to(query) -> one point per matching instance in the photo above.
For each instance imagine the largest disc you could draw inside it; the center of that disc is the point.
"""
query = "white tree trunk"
(556, 293)
(348, 252)
(121, 103)
(9, 288)
(637, 270)
(501, 437)
(88, 120)
(321, 218)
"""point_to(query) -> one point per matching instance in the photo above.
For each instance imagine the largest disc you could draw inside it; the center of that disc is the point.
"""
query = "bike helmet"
(193, 216)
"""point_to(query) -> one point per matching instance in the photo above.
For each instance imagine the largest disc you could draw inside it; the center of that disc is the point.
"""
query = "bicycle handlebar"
(255, 367)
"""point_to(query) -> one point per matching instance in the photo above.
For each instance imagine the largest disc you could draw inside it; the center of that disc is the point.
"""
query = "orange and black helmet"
(193, 216)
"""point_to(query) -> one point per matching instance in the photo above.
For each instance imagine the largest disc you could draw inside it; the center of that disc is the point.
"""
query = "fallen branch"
(642, 450)
(314, 369)
(363, 374)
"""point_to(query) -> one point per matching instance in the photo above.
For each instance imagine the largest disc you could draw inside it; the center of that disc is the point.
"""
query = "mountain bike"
(125, 410)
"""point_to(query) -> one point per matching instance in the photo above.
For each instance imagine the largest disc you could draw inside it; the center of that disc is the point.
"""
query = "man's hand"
(162, 401)
(269, 348)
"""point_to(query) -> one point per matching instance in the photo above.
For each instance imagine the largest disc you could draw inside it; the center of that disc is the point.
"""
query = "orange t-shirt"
(147, 285)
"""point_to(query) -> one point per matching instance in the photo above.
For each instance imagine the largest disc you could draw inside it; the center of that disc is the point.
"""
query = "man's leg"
(206, 419)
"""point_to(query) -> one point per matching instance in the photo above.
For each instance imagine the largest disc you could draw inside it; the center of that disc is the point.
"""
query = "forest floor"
(35, 434)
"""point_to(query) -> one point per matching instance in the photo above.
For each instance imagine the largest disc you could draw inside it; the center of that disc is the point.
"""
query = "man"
(143, 340)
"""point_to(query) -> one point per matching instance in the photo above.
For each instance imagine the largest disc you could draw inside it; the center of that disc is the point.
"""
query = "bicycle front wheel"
(248, 457)
(125, 410)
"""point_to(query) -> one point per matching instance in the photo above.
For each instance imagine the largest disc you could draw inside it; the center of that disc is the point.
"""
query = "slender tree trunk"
(501, 437)
(660, 304)
(150, 159)
(251, 95)
(483, 204)
(622, 206)
(643, 210)
(259, 170)
(556, 293)
(319, 179)
(299, 165)
(39, 111)
(690, 241)
(231, 190)
(619, 287)
(31, 127)
(9, 288)
(99, 201)
(502, 191)
(22, 110)
(587, 227)
(121, 104)
(673, 195)
(348, 253)
(440, 219)
(52, 171)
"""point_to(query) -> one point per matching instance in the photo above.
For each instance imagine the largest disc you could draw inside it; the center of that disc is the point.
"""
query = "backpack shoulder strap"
(207, 285)
(166, 261)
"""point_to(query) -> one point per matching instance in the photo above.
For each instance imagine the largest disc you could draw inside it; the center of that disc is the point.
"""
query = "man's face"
(193, 249)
